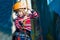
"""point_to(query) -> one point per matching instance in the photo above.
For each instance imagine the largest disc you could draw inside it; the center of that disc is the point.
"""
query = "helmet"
(19, 5)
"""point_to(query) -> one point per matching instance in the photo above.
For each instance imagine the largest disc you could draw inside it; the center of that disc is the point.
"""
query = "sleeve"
(17, 24)
(34, 14)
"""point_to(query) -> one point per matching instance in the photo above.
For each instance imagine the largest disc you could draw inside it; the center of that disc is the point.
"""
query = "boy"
(23, 20)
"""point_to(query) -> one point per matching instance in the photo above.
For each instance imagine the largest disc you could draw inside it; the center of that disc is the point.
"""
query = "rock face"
(5, 19)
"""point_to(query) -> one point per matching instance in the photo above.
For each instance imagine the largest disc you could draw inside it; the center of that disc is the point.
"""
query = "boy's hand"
(23, 28)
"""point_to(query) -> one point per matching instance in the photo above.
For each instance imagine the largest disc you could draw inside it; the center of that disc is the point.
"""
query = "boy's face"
(21, 12)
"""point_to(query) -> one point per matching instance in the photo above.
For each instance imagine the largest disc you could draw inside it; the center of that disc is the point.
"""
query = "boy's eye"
(24, 8)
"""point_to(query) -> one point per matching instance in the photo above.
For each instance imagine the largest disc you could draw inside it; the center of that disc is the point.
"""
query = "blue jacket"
(55, 6)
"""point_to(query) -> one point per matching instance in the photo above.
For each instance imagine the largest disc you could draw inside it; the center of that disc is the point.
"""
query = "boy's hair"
(16, 11)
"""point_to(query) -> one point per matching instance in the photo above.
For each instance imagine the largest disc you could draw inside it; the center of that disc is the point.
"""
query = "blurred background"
(47, 25)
